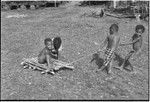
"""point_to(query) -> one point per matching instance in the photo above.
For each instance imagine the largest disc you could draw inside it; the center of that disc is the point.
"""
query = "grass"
(23, 38)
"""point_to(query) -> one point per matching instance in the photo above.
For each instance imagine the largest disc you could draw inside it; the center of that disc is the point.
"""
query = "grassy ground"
(23, 38)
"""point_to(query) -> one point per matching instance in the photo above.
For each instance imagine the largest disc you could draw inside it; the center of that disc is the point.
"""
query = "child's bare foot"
(52, 72)
(109, 71)
(34, 68)
(25, 66)
(103, 67)
(120, 68)
(48, 71)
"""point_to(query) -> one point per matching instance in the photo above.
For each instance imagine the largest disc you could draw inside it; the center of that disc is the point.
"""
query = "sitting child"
(50, 52)
(49, 56)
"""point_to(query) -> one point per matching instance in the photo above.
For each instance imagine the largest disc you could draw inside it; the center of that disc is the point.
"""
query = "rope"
(84, 57)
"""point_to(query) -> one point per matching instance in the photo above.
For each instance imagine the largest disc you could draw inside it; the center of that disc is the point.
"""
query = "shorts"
(108, 56)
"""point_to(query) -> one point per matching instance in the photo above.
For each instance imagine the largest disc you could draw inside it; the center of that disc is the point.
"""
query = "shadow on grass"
(127, 66)
(99, 62)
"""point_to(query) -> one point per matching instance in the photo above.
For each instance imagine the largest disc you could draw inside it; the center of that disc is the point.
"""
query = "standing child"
(136, 44)
(110, 45)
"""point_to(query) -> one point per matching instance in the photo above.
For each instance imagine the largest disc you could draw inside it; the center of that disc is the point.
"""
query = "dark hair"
(57, 42)
(139, 27)
(113, 28)
(47, 40)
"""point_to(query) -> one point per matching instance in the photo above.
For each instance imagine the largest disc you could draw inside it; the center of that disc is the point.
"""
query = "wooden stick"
(55, 3)
(59, 64)
(37, 65)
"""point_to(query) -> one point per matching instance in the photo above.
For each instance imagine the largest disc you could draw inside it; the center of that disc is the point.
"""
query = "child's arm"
(126, 44)
(92, 60)
(49, 61)
(103, 45)
(131, 42)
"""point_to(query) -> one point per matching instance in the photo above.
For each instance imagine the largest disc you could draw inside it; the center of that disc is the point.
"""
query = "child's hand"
(92, 60)
(101, 50)
(53, 66)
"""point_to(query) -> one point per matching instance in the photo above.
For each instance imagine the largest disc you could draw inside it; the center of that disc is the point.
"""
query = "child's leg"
(139, 51)
(125, 60)
(118, 58)
(129, 65)
(108, 59)
(50, 69)
(110, 67)
(105, 64)
(94, 57)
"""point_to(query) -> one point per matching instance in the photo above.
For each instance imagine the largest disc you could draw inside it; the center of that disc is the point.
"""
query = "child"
(136, 43)
(49, 53)
(110, 44)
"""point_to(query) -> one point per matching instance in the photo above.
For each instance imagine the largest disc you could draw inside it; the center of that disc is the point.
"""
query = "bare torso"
(112, 45)
(138, 44)
(113, 42)
(43, 53)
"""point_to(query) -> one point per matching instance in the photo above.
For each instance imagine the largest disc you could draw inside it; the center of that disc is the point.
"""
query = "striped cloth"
(108, 56)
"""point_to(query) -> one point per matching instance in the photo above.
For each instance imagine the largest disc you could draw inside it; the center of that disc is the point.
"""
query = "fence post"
(55, 3)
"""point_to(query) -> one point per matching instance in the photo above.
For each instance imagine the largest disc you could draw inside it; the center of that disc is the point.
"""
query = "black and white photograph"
(56, 50)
